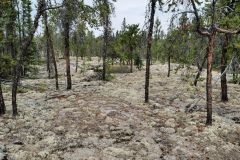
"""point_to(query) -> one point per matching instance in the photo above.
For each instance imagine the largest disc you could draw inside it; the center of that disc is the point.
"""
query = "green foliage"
(109, 77)
(138, 62)
(6, 65)
(22, 90)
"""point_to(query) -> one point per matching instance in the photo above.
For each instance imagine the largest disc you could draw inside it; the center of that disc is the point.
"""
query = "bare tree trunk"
(51, 49)
(76, 69)
(149, 45)
(131, 60)
(224, 94)
(66, 45)
(200, 68)
(48, 55)
(209, 78)
(105, 46)
(169, 64)
(2, 104)
(25, 45)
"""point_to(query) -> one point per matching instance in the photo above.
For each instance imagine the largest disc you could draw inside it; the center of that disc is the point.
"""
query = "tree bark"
(66, 44)
(200, 68)
(76, 69)
(224, 94)
(149, 45)
(131, 60)
(169, 65)
(51, 49)
(209, 78)
(105, 46)
(2, 104)
(48, 54)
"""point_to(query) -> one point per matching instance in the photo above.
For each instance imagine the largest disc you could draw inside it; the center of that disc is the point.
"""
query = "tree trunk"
(2, 104)
(48, 54)
(76, 69)
(131, 60)
(224, 94)
(51, 49)
(169, 65)
(209, 78)
(66, 45)
(105, 49)
(24, 48)
(200, 68)
(149, 45)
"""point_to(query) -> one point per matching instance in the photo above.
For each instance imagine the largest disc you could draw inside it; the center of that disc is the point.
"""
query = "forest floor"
(109, 120)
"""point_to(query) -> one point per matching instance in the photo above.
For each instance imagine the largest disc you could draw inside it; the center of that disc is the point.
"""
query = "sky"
(134, 12)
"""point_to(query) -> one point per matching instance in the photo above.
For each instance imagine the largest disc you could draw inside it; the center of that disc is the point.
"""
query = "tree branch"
(50, 8)
(220, 30)
(205, 33)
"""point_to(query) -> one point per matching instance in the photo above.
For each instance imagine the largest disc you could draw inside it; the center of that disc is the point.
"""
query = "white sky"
(133, 11)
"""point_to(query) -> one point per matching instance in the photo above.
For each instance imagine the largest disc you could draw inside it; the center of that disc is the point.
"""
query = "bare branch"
(199, 30)
(220, 30)
(53, 7)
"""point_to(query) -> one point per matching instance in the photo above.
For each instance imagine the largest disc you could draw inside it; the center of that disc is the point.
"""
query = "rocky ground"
(109, 120)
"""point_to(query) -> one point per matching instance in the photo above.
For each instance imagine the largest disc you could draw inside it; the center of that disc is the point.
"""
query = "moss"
(22, 90)
(109, 77)
(41, 88)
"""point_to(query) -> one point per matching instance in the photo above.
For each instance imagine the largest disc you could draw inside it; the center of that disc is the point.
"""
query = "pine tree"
(149, 45)
(66, 27)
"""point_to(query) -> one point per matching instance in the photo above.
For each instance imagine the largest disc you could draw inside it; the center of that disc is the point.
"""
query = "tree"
(158, 38)
(50, 46)
(131, 38)
(24, 48)
(211, 35)
(106, 9)
(149, 45)
(2, 104)
(66, 27)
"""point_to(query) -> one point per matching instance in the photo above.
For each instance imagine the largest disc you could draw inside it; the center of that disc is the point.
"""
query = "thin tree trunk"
(209, 78)
(200, 68)
(51, 49)
(2, 104)
(25, 45)
(169, 64)
(48, 54)
(131, 60)
(149, 45)
(66, 45)
(224, 94)
(105, 46)
(76, 69)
